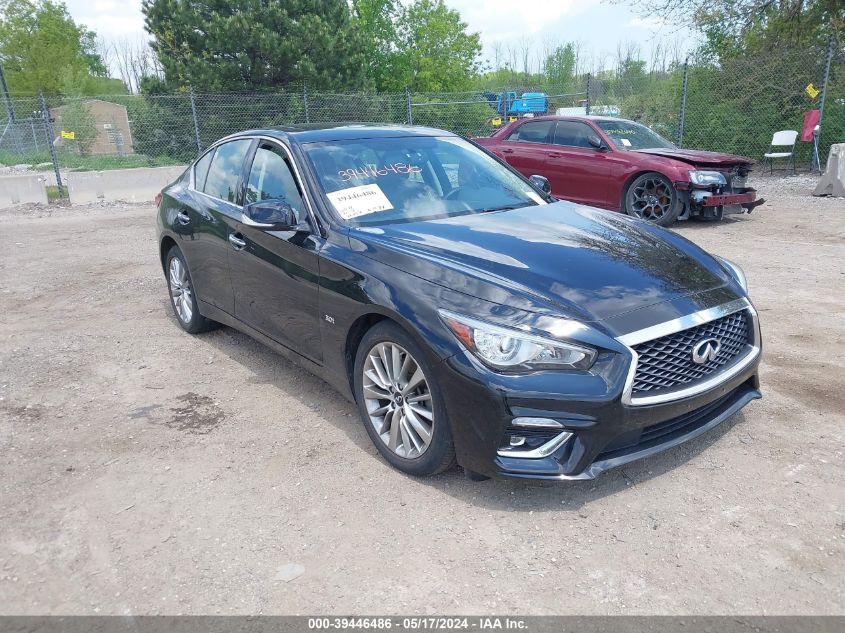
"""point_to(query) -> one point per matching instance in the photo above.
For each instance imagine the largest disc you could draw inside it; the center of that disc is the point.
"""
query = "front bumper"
(714, 202)
(606, 431)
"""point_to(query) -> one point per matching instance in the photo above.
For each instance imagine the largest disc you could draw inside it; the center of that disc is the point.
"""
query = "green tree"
(42, 48)
(560, 65)
(733, 27)
(433, 50)
(77, 118)
(256, 44)
(375, 21)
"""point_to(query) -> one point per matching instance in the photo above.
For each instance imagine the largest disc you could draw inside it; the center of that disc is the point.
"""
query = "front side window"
(630, 135)
(378, 181)
(226, 166)
(533, 132)
(573, 134)
(271, 178)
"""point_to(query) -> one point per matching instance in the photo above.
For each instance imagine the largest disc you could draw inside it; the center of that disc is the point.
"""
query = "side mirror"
(272, 215)
(595, 141)
(541, 182)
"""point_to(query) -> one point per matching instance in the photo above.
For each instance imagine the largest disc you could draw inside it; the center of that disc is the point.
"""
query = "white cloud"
(499, 20)
(651, 23)
(111, 20)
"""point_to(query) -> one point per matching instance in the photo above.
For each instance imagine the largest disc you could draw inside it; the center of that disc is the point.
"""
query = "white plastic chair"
(784, 138)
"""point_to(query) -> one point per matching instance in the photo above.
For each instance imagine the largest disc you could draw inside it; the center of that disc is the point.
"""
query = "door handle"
(507, 151)
(237, 243)
(183, 217)
(554, 154)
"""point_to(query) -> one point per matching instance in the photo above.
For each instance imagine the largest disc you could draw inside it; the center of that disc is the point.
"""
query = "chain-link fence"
(732, 107)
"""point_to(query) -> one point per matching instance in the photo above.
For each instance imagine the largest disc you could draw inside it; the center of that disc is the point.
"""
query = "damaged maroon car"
(625, 166)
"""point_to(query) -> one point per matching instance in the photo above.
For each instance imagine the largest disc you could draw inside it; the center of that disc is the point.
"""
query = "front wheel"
(651, 197)
(400, 402)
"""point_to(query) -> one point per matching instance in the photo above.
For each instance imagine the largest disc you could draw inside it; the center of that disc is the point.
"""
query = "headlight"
(735, 272)
(504, 349)
(707, 178)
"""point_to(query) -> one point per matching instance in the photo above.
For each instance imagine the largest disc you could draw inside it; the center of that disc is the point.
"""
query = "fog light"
(517, 440)
(530, 451)
(537, 423)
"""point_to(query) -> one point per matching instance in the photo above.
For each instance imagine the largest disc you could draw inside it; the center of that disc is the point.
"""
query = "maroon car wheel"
(651, 197)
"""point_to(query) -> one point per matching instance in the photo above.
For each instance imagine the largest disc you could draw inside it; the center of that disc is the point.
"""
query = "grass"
(41, 161)
(53, 194)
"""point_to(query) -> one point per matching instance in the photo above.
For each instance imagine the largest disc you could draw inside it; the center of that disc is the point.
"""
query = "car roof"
(574, 117)
(320, 132)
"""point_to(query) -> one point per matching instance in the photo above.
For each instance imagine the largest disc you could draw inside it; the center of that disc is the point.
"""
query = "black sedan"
(472, 317)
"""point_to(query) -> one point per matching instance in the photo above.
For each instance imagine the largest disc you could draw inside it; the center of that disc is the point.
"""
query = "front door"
(275, 274)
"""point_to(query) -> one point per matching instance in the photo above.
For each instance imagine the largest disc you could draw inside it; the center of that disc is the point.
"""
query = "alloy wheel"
(650, 198)
(181, 292)
(398, 400)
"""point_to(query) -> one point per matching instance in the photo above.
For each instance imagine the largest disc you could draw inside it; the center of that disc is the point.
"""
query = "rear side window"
(533, 132)
(573, 134)
(222, 181)
(271, 178)
(201, 170)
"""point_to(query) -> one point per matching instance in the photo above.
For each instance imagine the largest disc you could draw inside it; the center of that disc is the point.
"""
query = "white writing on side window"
(356, 201)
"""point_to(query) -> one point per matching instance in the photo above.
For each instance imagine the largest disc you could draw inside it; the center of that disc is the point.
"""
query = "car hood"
(573, 260)
(696, 157)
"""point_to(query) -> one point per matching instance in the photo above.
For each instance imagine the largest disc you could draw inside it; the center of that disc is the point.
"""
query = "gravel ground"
(146, 471)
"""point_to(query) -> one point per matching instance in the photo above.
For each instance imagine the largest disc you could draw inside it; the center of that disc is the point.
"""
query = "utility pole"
(7, 99)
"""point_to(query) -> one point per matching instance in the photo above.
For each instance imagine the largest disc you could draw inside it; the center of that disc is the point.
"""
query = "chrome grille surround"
(666, 362)
(655, 343)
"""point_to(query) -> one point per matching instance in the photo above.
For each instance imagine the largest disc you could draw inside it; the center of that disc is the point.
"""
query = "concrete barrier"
(129, 185)
(20, 189)
(833, 180)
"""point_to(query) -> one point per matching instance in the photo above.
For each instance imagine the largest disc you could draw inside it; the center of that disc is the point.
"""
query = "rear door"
(207, 222)
(525, 147)
(576, 170)
(276, 273)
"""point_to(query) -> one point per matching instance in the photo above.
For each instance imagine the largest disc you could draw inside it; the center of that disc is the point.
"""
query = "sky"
(597, 25)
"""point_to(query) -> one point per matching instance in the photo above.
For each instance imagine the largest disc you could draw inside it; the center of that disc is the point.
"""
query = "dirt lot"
(148, 471)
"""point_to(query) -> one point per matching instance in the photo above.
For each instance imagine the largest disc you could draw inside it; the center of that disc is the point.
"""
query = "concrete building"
(112, 122)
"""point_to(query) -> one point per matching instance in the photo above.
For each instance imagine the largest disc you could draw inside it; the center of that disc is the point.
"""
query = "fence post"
(682, 119)
(305, 102)
(45, 114)
(196, 122)
(816, 157)
(408, 118)
(589, 90)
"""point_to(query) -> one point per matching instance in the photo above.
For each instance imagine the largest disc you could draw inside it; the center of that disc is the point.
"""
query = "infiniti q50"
(472, 318)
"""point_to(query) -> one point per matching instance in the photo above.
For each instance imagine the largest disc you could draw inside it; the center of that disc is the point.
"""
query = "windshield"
(379, 181)
(629, 135)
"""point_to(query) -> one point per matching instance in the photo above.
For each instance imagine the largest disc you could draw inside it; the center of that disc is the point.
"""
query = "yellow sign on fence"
(68, 135)
(812, 91)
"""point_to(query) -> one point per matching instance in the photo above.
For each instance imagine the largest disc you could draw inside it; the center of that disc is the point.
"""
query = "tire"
(183, 299)
(396, 426)
(651, 197)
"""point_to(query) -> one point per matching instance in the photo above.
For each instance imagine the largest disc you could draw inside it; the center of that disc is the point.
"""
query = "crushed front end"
(711, 193)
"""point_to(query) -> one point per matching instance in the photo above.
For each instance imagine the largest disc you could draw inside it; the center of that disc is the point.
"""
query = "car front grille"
(667, 362)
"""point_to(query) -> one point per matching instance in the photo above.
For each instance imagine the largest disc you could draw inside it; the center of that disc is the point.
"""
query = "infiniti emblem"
(706, 350)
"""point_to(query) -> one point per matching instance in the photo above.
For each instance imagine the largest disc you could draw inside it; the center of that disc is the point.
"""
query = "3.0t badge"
(706, 350)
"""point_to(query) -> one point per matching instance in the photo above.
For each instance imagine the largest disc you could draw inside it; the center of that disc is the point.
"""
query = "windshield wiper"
(504, 208)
